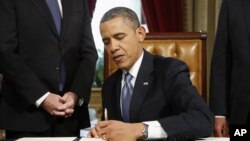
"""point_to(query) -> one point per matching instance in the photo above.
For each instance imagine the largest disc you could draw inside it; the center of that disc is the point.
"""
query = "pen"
(77, 139)
(105, 114)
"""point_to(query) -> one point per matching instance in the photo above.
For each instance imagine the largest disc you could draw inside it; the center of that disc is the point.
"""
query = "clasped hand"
(62, 106)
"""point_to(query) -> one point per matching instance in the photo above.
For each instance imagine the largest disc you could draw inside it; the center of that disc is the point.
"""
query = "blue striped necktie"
(126, 94)
(56, 14)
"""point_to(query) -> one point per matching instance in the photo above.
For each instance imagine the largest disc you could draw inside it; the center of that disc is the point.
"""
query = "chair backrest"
(189, 47)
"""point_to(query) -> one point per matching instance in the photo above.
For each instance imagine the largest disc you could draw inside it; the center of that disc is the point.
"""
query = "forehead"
(114, 25)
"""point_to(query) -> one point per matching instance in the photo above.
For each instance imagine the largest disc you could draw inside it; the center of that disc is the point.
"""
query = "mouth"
(117, 58)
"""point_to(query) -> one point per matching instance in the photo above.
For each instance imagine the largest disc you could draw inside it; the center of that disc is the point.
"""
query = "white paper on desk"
(47, 139)
(91, 139)
(58, 139)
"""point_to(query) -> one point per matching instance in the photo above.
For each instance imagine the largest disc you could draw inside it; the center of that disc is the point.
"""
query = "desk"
(95, 139)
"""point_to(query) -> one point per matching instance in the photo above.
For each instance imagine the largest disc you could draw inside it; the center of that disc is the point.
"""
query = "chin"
(122, 66)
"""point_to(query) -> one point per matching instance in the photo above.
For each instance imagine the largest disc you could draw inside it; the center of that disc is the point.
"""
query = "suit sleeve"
(220, 66)
(16, 73)
(85, 74)
(192, 117)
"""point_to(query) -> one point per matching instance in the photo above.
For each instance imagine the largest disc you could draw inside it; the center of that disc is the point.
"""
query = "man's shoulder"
(114, 76)
(165, 62)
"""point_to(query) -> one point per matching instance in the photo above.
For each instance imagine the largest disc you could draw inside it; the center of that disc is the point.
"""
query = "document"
(91, 139)
(47, 139)
(59, 139)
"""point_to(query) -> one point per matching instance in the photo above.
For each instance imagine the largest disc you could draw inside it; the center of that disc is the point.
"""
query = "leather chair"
(189, 47)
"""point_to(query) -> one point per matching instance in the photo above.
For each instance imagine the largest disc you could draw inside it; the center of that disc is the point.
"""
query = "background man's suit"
(162, 90)
(230, 72)
(30, 55)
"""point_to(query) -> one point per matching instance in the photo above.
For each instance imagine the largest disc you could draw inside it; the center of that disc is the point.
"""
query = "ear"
(141, 33)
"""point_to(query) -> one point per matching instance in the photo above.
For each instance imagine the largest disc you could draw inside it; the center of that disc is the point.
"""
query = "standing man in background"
(230, 68)
(47, 58)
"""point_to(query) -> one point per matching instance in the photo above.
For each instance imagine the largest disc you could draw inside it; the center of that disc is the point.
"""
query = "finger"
(69, 111)
(107, 137)
(103, 123)
(67, 115)
(64, 106)
(59, 105)
(99, 130)
(65, 98)
(226, 132)
(218, 133)
(61, 108)
(89, 135)
(94, 133)
(104, 137)
(58, 113)
(69, 104)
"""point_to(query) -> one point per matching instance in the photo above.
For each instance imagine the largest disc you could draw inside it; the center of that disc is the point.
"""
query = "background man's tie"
(56, 14)
(57, 17)
(127, 91)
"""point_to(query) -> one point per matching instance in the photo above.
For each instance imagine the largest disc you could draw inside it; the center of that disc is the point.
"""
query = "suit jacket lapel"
(143, 82)
(118, 94)
(67, 12)
(246, 5)
(45, 12)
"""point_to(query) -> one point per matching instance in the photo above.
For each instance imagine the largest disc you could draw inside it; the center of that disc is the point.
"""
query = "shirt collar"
(135, 68)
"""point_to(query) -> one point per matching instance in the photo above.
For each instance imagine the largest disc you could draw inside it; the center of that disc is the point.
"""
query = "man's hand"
(54, 104)
(112, 130)
(221, 128)
(60, 106)
(70, 100)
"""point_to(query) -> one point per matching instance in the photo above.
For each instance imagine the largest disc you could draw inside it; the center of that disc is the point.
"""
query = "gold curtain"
(202, 15)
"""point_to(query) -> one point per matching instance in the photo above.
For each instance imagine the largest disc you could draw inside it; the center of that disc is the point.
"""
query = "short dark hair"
(123, 12)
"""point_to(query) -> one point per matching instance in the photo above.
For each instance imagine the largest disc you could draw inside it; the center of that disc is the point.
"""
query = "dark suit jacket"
(30, 54)
(230, 68)
(169, 97)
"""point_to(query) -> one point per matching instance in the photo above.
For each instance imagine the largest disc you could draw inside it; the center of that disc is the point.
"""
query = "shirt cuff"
(155, 131)
(219, 116)
(40, 100)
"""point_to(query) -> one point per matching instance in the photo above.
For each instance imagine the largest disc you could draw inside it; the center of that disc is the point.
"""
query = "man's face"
(122, 42)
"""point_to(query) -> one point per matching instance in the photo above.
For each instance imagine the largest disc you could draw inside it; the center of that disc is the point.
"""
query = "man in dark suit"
(48, 70)
(230, 91)
(163, 102)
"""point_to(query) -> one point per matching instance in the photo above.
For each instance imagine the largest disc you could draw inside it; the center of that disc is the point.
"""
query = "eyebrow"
(115, 35)
(118, 34)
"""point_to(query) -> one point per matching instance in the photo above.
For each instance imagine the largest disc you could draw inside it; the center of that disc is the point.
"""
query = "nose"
(114, 46)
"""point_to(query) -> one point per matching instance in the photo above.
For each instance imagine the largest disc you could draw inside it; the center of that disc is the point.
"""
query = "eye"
(120, 36)
(105, 41)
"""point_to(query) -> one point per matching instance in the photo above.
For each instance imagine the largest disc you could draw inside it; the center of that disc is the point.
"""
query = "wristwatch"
(145, 131)
(80, 102)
